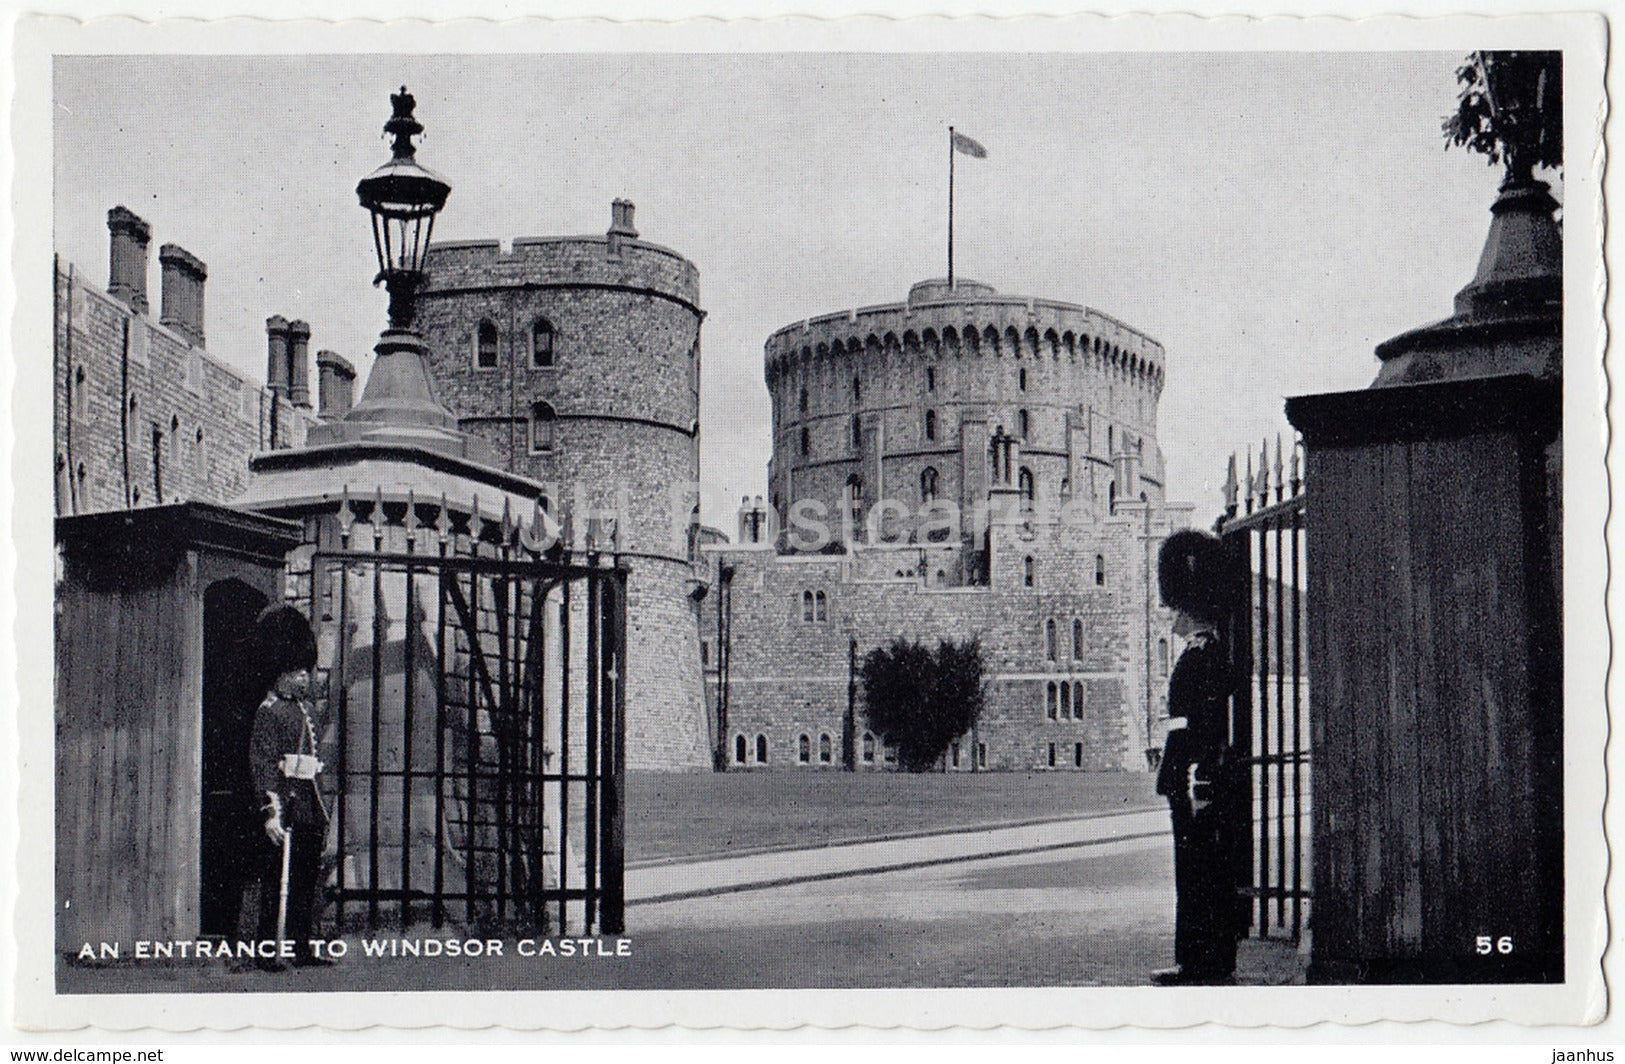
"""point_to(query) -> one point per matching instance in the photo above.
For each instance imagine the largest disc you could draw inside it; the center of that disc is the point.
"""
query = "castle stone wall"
(144, 416)
(606, 332)
(788, 676)
(885, 392)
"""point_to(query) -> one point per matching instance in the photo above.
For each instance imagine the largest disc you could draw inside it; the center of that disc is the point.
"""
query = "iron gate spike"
(442, 521)
(1280, 481)
(346, 517)
(476, 525)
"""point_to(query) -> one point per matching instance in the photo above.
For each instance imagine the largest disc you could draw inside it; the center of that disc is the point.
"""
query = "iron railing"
(1263, 524)
(475, 684)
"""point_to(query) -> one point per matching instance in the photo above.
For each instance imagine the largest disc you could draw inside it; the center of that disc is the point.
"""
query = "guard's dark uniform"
(290, 727)
(1197, 777)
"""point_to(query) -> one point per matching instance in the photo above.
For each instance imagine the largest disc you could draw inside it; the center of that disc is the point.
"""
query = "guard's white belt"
(300, 766)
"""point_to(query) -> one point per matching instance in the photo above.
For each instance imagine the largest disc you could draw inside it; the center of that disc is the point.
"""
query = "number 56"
(1485, 945)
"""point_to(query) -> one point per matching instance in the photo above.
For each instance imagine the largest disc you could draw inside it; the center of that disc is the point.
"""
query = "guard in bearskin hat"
(1198, 773)
(284, 763)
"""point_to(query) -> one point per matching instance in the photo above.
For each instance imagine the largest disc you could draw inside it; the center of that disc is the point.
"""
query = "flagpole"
(950, 208)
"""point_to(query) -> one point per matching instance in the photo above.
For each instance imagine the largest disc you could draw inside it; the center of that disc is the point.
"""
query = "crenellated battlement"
(971, 319)
(560, 262)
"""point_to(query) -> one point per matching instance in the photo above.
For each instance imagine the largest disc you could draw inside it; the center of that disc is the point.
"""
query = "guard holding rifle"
(1199, 774)
(284, 764)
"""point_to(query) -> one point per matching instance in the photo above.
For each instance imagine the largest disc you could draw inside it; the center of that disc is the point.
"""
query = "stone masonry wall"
(191, 423)
(788, 676)
(881, 393)
(620, 381)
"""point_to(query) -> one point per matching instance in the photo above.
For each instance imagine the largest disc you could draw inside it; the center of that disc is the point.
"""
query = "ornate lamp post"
(399, 404)
(403, 197)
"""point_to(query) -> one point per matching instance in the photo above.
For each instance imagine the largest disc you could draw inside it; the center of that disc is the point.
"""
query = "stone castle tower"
(900, 401)
(979, 467)
(577, 360)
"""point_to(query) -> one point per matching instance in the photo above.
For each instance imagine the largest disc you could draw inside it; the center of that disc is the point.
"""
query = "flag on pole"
(970, 147)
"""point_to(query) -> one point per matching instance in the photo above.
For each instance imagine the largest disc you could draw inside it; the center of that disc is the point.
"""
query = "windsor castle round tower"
(577, 360)
(967, 466)
(900, 401)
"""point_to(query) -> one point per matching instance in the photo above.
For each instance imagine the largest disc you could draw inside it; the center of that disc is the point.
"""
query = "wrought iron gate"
(1263, 525)
(475, 683)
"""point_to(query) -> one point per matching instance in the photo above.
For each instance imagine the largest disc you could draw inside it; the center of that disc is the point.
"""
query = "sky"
(1268, 217)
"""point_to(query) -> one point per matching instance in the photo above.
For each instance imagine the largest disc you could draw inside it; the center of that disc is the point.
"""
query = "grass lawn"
(685, 815)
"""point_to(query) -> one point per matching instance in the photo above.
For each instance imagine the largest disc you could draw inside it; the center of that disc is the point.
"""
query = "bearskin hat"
(282, 641)
(1195, 574)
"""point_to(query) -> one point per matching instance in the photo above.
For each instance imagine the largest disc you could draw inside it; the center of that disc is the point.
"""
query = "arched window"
(1021, 378)
(1162, 655)
(1077, 699)
(825, 750)
(761, 749)
(930, 424)
(807, 606)
(868, 748)
(1049, 639)
(485, 346)
(1028, 573)
(806, 441)
(1077, 638)
(803, 400)
(1100, 570)
(1024, 484)
(820, 607)
(542, 418)
(1077, 755)
(1052, 701)
(1051, 755)
(1024, 423)
(928, 484)
(541, 344)
(739, 749)
(1066, 701)
(803, 749)
(857, 391)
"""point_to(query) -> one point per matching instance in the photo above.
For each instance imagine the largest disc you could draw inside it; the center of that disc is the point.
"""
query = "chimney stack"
(335, 385)
(127, 258)
(299, 363)
(183, 277)
(621, 228)
(276, 354)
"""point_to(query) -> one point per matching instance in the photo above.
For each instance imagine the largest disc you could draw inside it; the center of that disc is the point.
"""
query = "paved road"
(1085, 902)
(675, 880)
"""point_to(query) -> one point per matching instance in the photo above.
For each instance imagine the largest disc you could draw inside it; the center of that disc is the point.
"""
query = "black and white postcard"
(1105, 514)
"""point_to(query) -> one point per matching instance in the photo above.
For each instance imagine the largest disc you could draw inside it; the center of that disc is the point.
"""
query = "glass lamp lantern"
(403, 198)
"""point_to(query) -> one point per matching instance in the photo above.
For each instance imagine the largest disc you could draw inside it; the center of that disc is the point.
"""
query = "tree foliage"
(922, 700)
(1520, 123)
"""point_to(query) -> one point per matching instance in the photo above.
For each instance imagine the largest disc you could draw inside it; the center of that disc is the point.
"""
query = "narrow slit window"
(543, 420)
(485, 346)
(541, 344)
